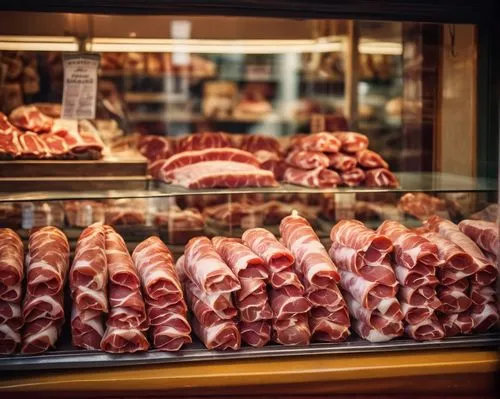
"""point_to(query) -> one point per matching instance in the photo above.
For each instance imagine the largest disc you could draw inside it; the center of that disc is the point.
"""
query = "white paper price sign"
(80, 85)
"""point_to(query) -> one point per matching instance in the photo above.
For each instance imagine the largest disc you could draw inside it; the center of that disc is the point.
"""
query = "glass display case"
(367, 148)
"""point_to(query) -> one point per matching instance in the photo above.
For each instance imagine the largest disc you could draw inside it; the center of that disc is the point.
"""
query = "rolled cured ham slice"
(40, 335)
(416, 277)
(87, 328)
(252, 301)
(266, 245)
(172, 334)
(292, 331)
(487, 272)
(243, 262)
(11, 265)
(257, 142)
(311, 258)
(352, 142)
(341, 162)
(201, 141)
(10, 339)
(287, 302)
(47, 261)
(415, 314)
(371, 334)
(307, 159)
(427, 330)
(326, 330)
(319, 177)
(11, 315)
(321, 142)
(380, 177)
(483, 294)
(284, 278)
(124, 340)
(256, 334)
(485, 317)
(204, 267)
(44, 307)
(369, 159)
(483, 233)
(422, 297)
(328, 297)
(409, 247)
(353, 177)
(456, 323)
(154, 262)
(158, 315)
(221, 336)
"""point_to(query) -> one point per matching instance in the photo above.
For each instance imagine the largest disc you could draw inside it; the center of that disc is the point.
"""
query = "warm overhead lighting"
(386, 48)
(38, 43)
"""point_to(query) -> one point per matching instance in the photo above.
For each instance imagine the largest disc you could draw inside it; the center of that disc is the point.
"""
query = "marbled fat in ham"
(427, 330)
(172, 334)
(87, 328)
(341, 162)
(483, 233)
(369, 159)
(371, 334)
(456, 323)
(307, 159)
(11, 265)
(221, 336)
(124, 340)
(380, 177)
(318, 178)
(352, 142)
(292, 331)
(321, 142)
(256, 334)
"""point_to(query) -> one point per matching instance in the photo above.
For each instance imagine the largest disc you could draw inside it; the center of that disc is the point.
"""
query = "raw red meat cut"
(91, 140)
(81, 138)
(409, 247)
(221, 336)
(124, 340)
(321, 142)
(272, 162)
(40, 336)
(380, 177)
(264, 244)
(456, 323)
(485, 317)
(311, 259)
(307, 159)
(124, 216)
(427, 330)
(353, 177)
(89, 272)
(243, 262)
(10, 147)
(319, 177)
(484, 234)
(57, 145)
(204, 267)
(30, 118)
(369, 159)
(155, 147)
(422, 206)
(287, 302)
(87, 328)
(325, 330)
(371, 334)
(422, 297)
(256, 334)
(341, 162)
(47, 261)
(172, 334)
(352, 142)
(416, 277)
(201, 141)
(257, 142)
(480, 294)
(33, 146)
(11, 265)
(292, 331)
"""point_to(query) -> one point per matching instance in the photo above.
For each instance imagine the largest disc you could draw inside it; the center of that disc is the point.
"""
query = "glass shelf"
(409, 182)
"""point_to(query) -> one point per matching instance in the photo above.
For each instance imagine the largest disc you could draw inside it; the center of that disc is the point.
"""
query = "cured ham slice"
(422, 206)
(256, 334)
(352, 142)
(311, 258)
(10, 339)
(369, 159)
(409, 247)
(257, 142)
(33, 146)
(427, 330)
(201, 141)
(487, 272)
(221, 336)
(456, 323)
(285, 278)
(40, 335)
(155, 147)
(158, 315)
(124, 340)
(164, 169)
(321, 142)
(47, 261)
(10, 147)
(87, 328)
(272, 162)
(292, 331)
(415, 314)
(204, 267)
(252, 301)
(57, 145)
(485, 317)
(483, 294)
(417, 277)
(287, 302)
(30, 118)
(243, 262)
(43, 307)
(341, 162)
(319, 177)
(371, 334)
(353, 177)
(328, 297)
(174, 333)
(380, 177)
(326, 330)
(484, 234)
(422, 297)
(155, 265)
(307, 159)
(11, 315)
(11, 265)
(89, 272)
(265, 244)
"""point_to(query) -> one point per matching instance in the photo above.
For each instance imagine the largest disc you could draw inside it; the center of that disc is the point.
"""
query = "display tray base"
(65, 357)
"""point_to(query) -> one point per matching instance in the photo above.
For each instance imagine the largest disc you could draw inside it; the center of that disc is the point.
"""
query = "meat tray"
(66, 357)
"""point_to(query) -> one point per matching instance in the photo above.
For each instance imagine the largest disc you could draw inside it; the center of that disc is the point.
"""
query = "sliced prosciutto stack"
(43, 306)
(127, 317)
(470, 236)
(11, 278)
(367, 280)
(328, 318)
(416, 259)
(166, 308)
(208, 283)
(289, 305)
(251, 300)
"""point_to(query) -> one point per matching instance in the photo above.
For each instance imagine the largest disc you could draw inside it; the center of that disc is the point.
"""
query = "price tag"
(80, 85)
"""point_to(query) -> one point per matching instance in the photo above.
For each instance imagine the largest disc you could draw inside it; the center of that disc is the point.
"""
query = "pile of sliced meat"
(415, 261)
(367, 280)
(29, 134)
